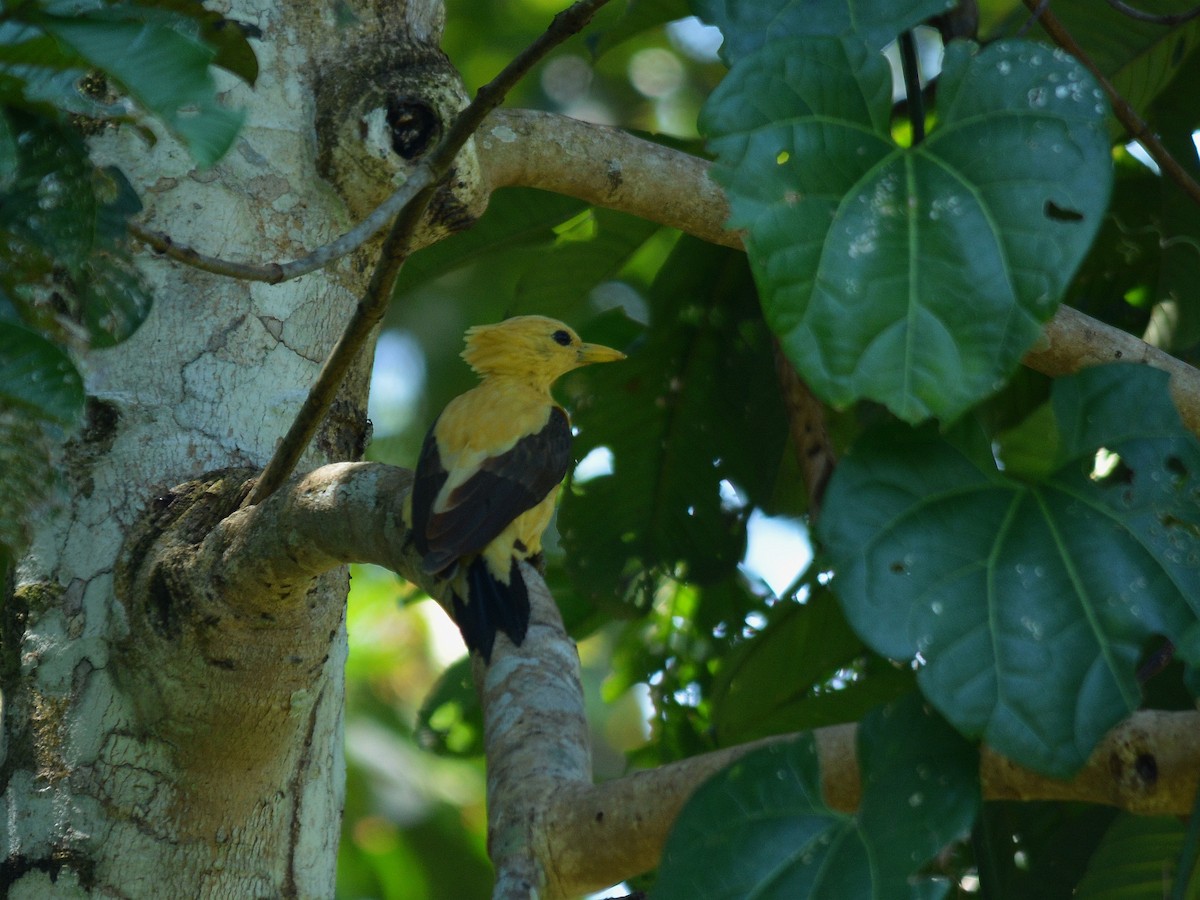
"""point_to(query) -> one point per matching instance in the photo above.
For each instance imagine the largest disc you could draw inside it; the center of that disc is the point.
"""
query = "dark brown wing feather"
(481, 507)
(427, 482)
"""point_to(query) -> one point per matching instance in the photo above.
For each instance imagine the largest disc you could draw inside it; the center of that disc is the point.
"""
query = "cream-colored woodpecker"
(490, 471)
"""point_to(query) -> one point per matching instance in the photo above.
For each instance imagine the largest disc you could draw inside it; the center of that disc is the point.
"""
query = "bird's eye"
(561, 337)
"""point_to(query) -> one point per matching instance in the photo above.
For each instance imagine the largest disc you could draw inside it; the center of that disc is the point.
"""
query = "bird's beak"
(598, 353)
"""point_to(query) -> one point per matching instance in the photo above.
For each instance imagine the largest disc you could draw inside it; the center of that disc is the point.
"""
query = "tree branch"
(614, 169)
(1149, 765)
(810, 436)
(549, 826)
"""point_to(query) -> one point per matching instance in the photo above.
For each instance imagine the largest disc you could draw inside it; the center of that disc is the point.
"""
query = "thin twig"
(397, 246)
(1124, 112)
(912, 85)
(274, 273)
(1164, 19)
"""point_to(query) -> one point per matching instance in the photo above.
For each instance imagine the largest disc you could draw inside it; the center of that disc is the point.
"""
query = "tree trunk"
(166, 733)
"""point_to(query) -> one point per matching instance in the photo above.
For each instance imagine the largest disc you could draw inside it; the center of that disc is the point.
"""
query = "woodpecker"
(490, 471)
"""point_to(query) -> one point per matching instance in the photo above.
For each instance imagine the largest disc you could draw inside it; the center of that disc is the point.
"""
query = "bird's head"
(531, 348)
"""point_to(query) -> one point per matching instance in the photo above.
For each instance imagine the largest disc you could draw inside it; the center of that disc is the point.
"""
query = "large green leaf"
(749, 25)
(164, 69)
(516, 219)
(675, 417)
(1027, 601)
(1139, 58)
(761, 827)
(39, 376)
(913, 276)
(920, 790)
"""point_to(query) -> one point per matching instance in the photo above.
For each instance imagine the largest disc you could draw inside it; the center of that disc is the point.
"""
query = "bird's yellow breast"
(486, 421)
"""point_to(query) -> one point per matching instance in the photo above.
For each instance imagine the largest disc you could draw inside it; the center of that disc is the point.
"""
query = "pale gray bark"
(166, 733)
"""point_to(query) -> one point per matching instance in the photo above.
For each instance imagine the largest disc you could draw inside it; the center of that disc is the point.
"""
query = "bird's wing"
(501, 488)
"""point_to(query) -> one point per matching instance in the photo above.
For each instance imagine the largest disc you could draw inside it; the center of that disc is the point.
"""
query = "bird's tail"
(491, 606)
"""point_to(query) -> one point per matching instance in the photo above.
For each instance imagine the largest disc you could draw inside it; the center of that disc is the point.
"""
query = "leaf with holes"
(761, 828)
(1028, 600)
(914, 276)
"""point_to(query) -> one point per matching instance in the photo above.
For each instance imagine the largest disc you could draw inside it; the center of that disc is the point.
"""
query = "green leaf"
(913, 276)
(1140, 58)
(579, 264)
(1028, 602)
(516, 219)
(781, 680)
(1134, 861)
(920, 790)
(450, 721)
(227, 37)
(675, 416)
(164, 70)
(1036, 850)
(748, 25)
(9, 159)
(37, 375)
(761, 828)
(1031, 449)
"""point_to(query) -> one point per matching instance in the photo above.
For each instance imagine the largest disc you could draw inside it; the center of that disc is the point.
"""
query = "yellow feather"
(518, 360)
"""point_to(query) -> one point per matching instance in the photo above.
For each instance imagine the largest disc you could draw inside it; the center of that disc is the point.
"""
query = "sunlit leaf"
(1028, 600)
(450, 721)
(918, 276)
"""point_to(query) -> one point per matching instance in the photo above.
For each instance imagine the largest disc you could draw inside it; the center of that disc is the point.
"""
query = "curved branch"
(617, 170)
(1149, 764)
(549, 826)
(605, 166)
(1134, 13)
